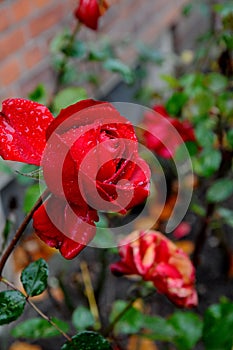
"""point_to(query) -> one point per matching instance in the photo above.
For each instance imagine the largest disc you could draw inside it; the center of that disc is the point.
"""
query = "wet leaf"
(12, 304)
(34, 277)
(87, 340)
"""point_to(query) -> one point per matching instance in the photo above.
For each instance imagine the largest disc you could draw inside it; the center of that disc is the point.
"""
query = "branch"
(21, 230)
(12, 286)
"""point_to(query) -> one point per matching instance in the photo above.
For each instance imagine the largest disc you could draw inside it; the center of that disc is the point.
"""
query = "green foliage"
(220, 190)
(117, 66)
(82, 318)
(67, 97)
(188, 327)
(35, 328)
(12, 304)
(87, 341)
(158, 328)
(132, 320)
(34, 277)
(32, 194)
(216, 82)
(226, 215)
(39, 94)
(75, 48)
(175, 103)
(218, 325)
(149, 54)
(207, 162)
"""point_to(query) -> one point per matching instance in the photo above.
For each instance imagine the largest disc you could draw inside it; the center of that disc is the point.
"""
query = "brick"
(42, 3)
(5, 19)
(11, 42)
(9, 72)
(20, 10)
(46, 20)
(32, 57)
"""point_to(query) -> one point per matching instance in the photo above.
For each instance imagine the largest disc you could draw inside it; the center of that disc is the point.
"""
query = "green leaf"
(117, 66)
(100, 53)
(187, 9)
(87, 341)
(39, 94)
(60, 41)
(226, 215)
(130, 323)
(175, 103)
(31, 196)
(205, 136)
(12, 304)
(207, 163)
(224, 9)
(218, 325)
(171, 81)
(82, 318)
(68, 96)
(201, 103)
(220, 190)
(76, 49)
(159, 328)
(216, 82)
(34, 277)
(227, 37)
(149, 54)
(35, 328)
(188, 327)
(225, 104)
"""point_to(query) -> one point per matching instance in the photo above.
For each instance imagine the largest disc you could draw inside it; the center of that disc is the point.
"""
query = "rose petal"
(23, 124)
(66, 228)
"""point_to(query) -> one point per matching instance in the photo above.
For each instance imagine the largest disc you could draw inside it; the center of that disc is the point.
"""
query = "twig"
(21, 230)
(90, 294)
(45, 317)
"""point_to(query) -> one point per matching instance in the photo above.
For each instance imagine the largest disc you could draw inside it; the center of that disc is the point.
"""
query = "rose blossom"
(155, 258)
(88, 154)
(89, 11)
(165, 133)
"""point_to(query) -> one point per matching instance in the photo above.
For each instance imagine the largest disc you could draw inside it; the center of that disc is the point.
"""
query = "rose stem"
(21, 230)
(90, 294)
(12, 286)
(111, 326)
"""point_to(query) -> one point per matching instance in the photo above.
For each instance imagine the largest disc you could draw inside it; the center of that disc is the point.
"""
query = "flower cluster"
(164, 134)
(155, 258)
(88, 12)
(89, 155)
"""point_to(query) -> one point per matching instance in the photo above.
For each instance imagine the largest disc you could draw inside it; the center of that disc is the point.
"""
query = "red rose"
(155, 258)
(100, 154)
(90, 159)
(89, 12)
(164, 134)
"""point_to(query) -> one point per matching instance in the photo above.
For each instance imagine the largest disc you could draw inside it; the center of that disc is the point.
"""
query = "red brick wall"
(27, 27)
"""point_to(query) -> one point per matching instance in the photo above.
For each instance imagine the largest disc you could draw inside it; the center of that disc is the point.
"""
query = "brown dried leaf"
(24, 346)
(139, 343)
(186, 246)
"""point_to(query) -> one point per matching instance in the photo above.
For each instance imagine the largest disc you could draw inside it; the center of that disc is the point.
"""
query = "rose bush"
(170, 132)
(155, 258)
(90, 159)
(88, 12)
